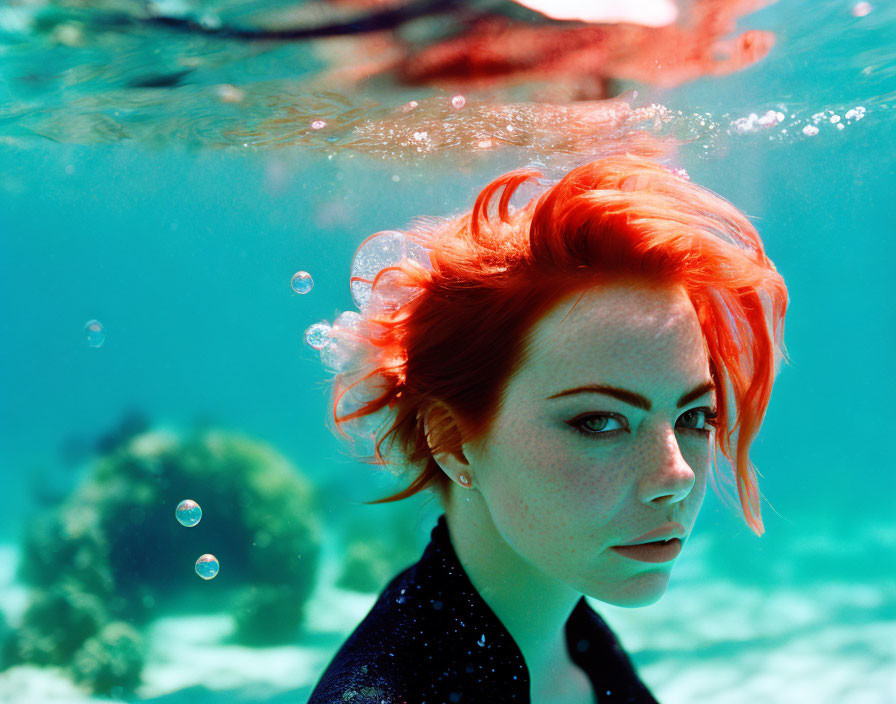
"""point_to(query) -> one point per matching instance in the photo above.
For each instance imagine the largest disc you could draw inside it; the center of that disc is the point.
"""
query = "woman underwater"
(561, 375)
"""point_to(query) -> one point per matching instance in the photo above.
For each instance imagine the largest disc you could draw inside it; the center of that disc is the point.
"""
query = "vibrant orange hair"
(464, 331)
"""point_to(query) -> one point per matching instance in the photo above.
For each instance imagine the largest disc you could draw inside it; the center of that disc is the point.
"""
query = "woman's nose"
(668, 478)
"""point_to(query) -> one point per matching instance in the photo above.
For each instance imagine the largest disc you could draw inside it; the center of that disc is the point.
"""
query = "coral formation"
(112, 556)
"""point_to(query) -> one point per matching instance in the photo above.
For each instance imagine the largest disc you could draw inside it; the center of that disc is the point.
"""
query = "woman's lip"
(666, 531)
(651, 552)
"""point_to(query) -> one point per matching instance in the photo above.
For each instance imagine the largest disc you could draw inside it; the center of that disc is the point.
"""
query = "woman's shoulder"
(374, 663)
(429, 637)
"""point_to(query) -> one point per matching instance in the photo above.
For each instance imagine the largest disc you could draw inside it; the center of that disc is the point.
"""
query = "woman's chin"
(643, 590)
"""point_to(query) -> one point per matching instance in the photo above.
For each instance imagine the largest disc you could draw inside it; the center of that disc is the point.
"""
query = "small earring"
(465, 480)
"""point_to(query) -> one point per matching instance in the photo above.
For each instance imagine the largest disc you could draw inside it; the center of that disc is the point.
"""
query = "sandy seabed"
(707, 641)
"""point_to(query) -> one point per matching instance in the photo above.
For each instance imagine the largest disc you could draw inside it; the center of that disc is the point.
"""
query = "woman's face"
(562, 497)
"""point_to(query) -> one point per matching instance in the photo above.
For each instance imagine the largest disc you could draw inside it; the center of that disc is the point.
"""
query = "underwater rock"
(114, 551)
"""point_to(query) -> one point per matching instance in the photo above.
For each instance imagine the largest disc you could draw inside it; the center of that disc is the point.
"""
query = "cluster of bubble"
(188, 513)
(772, 118)
(345, 347)
(754, 122)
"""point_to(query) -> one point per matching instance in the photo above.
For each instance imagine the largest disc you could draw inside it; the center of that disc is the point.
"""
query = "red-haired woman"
(561, 374)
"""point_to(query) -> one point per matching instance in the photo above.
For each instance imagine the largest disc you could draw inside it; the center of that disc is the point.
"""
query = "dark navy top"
(430, 638)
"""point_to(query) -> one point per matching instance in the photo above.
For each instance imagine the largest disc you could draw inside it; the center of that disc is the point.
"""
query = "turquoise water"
(182, 243)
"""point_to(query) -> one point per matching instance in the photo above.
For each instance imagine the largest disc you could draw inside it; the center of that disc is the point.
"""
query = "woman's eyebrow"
(633, 398)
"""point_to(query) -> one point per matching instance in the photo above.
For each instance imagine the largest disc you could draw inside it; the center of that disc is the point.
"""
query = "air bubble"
(458, 101)
(188, 513)
(94, 334)
(810, 130)
(207, 566)
(317, 335)
(386, 248)
(302, 282)
(318, 124)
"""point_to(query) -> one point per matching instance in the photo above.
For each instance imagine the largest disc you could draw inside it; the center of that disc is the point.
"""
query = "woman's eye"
(595, 425)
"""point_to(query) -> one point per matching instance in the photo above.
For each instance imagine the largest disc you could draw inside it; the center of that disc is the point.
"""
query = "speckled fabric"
(430, 638)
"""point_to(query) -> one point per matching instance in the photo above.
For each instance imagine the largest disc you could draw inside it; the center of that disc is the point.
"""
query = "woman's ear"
(445, 439)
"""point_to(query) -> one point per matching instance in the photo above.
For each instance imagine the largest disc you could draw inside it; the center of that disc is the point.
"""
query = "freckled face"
(561, 498)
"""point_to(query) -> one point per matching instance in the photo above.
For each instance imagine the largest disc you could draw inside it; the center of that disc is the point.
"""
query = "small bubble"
(318, 335)
(302, 282)
(860, 9)
(396, 178)
(207, 566)
(810, 130)
(188, 513)
(318, 124)
(840, 125)
(458, 101)
(69, 170)
(835, 119)
(856, 113)
(409, 106)
(94, 333)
